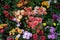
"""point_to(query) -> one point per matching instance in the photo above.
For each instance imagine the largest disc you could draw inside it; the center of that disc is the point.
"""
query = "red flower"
(41, 32)
(6, 13)
(6, 6)
(11, 17)
(10, 38)
(43, 38)
(35, 36)
(1, 30)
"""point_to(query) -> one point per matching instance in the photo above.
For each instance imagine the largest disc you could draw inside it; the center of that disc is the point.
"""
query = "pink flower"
(1, 30)
(44, 12)
(10, 38)
(36, 19)
(40, 20)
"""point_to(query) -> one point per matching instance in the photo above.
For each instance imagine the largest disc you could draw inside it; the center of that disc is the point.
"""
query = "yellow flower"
(45, 3)
(12, 32)
(19, 4)
(3, 25)
(54, 24)
(25, 2)
(18, 30)
(44, 24)
(16, 38)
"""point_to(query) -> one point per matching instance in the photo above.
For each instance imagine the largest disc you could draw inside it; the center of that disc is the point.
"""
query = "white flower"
(55, 1)
(18, 25)
(36, 8)
(18, 35)
(27, 35)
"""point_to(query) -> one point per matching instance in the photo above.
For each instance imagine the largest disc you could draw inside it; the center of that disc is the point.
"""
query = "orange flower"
(19, 4)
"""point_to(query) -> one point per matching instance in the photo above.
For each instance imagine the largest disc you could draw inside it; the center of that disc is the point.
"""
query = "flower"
(10, 38)
(46, 27)
(18, 24)
(45, 3)
(42, 11)
(20, 4)
(38, 19)
(52, 36)
(54, 24)
(14, 19)
(49, 36)
(36, 8)
(6, 13)
(54, 17)
(12, 32)
(58, 19)
(34, 21)
(17, 37)
(1, 30)
(3, 25)
(34, 24)
(55, 1)
(27, 35)
(38, 31)
(6, 6)
(18, 30)
(58, 6)
(44, 24)
(35, 36)
(29, 24)
(43, 37)
(31, 18)
(52, 29)
(19, 15)
(41, 32)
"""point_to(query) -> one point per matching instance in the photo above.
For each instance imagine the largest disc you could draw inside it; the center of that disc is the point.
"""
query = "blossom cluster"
(31, 23)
